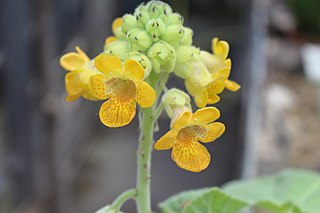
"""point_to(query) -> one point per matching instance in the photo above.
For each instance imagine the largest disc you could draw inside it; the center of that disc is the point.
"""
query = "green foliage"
(307, 16)
(211, 200)
(291, 191)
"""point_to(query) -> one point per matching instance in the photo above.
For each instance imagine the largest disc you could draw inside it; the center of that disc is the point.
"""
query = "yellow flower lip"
(74, 60)
(187, 130)
(76, 80)
(123, 86)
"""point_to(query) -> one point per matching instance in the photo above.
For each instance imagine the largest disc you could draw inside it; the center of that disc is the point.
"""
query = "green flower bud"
(118, 48)
(129, 23)
(176, 101)
(187, 37)
(143, 60)
(173, 34)
(140, 40)
(142, 14)
(186, 53)
(158, 9)
(175, 19)
(155, 27)
(162, 56)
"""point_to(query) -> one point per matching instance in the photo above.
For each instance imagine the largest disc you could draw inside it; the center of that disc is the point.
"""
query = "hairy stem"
(129, 194)
(144, 161)
(147, 120)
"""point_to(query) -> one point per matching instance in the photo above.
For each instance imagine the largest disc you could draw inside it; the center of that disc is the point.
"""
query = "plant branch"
(117, 203)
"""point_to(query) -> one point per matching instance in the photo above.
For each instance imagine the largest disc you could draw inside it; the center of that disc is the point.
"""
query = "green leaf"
(176, 203)
(215, 201)
(275, 208)
(211, 200)
(289, 191)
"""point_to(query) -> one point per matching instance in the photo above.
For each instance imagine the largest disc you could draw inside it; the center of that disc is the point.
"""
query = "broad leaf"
(211, 200)
(298, 190)
(215, 201)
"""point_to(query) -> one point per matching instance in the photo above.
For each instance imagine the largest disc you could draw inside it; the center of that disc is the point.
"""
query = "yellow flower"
(219, 65)
(186, 132)
(76, 80)
(123, 86)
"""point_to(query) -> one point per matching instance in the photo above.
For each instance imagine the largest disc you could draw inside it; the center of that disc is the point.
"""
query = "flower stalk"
(144, 161)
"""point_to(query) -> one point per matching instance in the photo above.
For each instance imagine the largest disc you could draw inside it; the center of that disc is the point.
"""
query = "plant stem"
(147, 121)
(144, 161)
(117, 203)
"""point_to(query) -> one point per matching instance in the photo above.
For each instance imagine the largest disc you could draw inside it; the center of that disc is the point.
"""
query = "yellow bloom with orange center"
(186, 132)
(80, 70)
(123, 86)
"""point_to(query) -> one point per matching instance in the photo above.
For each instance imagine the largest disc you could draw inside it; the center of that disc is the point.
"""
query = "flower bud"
(187, 37)
(139, 39)
(143, 60)
(175, 101)
(162, 56)
(141, 14)
(155, 27)
(129, 23)
(173, 34)
(116, 28)
(158, 9)
(118, 48)
(186, 53)
(175, 19)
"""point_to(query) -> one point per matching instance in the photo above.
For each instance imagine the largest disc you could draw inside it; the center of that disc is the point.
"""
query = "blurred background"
(56, 157)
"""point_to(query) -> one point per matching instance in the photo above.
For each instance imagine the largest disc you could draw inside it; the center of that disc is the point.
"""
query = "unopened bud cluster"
(155, 32)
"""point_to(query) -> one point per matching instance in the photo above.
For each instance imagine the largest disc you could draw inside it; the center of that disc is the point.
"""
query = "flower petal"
(220, 48)
(228, 62)
(70, 98)
(145, 94)
(232, 85)
(206, 115)
(182, 120)
(166, 141)
(115, 113)
(88, 95)
(190, 155)
(133, 70)
(72, 61)
(201, 98)
(109, 65)
(82, 54)
(116, 24)
(214, 131)
(216, 87)
(222, 74)
(73, 86)
(213, 98)
(110, 39)
(192, 87)
(98, 86)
